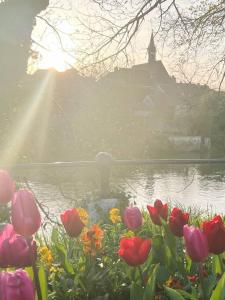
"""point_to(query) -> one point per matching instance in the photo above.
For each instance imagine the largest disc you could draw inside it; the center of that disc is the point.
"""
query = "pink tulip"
(196, 243)
(132, 217)
(7, 187)
(26, 218)
(16, 286)
(14, 250)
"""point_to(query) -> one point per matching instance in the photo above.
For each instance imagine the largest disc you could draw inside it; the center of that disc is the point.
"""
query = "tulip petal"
(134, 250)
(26, 218)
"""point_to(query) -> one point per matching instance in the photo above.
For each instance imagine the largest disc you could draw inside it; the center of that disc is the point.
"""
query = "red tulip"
(158, 211)
(72, 222)
(215, 234)
(177, 221)
(7, 187)
(26, 218)
(14, 250)
(132, 217)
(134, 250)
(16, 286)
(196, 243)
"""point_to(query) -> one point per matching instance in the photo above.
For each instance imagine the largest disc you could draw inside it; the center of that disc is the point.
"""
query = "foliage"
(76, 272)
(122, 254)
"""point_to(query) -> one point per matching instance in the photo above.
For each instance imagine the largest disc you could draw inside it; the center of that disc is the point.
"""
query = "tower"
(151, 50)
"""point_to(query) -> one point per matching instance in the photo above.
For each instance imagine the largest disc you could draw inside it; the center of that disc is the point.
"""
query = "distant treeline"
(66, 117)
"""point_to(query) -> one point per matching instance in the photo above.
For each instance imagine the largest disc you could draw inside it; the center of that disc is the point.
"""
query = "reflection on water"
(200, 186)
(188, 186)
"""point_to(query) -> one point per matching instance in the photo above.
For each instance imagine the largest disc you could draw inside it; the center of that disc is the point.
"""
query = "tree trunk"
(17, 19)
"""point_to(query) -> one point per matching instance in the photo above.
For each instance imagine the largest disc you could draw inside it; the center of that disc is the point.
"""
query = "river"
(202, 187)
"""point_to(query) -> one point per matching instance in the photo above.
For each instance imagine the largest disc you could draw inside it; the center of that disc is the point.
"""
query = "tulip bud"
(177, 221)
(215, 234)
(16, 286)
(158, 211)
(134, 250)
(26, 218)
(7, 187)
(132, 217)
(14, 250)
(196, 243)
(72, 222)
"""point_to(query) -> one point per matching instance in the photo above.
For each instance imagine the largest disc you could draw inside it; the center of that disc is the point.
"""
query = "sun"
(54, 49)
(55, 59)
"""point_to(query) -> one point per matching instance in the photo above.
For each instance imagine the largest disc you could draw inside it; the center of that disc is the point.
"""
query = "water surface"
(193, 185)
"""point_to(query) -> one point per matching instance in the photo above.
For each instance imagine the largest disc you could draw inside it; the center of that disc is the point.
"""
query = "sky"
(64, 17)
(75, 40)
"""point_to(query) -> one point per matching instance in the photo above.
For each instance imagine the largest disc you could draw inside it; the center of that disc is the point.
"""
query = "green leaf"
(54, 235)
(173, 294)
(158, 251)
(187, 295)
(163, 274)
(149, 293)
(209, 284)
(62, 251)
(216, 265)
(188, 264)
(170, 262)
(219, 292)
(43, 283)
(136, 292)
(30, 272)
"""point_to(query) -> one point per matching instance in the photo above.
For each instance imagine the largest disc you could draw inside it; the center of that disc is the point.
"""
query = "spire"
(151, 50)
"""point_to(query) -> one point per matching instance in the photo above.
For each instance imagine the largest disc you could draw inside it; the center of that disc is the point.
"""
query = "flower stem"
(141, 276)
(35, 271)
(201, 277)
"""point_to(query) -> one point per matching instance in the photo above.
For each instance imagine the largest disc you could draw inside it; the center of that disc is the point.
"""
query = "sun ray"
(43, 131)
(23, 126)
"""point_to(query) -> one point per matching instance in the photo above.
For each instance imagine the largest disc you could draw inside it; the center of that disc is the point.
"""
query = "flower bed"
(162, 253)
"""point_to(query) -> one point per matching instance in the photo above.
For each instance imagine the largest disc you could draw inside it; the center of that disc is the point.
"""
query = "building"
(147, 89)
(147, 74)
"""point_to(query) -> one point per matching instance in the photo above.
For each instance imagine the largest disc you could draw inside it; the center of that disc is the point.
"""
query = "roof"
(156, 68)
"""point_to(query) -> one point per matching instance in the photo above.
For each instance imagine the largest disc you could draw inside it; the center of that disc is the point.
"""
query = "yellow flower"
(55, 270)
(114, 215)
(46, 255)
(83, 215)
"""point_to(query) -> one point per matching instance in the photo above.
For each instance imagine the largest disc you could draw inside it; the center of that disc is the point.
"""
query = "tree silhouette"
(17, 19)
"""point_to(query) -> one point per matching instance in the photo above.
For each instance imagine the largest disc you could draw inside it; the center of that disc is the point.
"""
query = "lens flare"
(41, 98)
